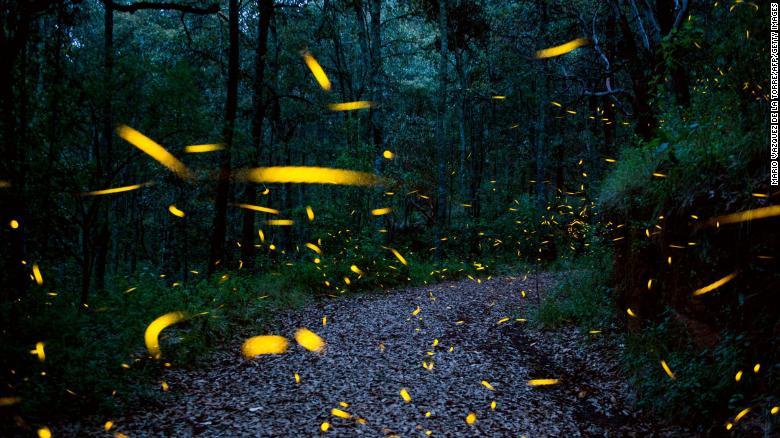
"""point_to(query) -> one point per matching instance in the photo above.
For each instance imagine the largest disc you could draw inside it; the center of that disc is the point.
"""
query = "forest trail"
(375, 347)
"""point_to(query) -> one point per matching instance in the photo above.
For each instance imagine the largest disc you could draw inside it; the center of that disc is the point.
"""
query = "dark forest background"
(608, 162)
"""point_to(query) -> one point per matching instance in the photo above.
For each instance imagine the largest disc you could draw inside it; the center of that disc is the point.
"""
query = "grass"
(583, 297)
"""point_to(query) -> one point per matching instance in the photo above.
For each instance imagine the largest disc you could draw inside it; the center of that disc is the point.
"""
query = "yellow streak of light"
(562, 49)
(280, 222)
(405, 395)
(339, 413)
(317, 71)
(381, 211)
(498, 97)
(398, 256)
(201, 148)
(745, 216)
(37, 274)
(715, 285)
(154, 150)
(114, 190)
(258, 208)
(309, 175)
(309, 340)
(350, 106)
(542, 382)
(175, 211)
(487, 385)
(356, 270)
(9, 401)
(631, 312)
(667, 369)
(309, 213)
(265, 344)
(741, 414)
(152, 332)
(313, 247)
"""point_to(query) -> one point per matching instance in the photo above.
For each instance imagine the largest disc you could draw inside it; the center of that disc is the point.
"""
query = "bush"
(583, 297)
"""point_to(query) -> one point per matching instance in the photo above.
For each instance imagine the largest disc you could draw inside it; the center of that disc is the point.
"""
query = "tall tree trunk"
(540, 148)
(265, 9)
(105, 157)
(219, 226)
(441, 140)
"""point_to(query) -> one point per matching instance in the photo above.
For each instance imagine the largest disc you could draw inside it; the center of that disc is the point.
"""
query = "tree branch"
(133, 7)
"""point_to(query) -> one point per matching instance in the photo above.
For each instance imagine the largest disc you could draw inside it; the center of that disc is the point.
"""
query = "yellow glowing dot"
(774, 410)
(471, 418)
(389, 155)
(756, 367)
(14, 224)
(738, 376)
(405, 395)
(631, 312)
(108, 425)
(325, 426)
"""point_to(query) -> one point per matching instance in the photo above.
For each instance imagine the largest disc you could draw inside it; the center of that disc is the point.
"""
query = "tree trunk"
(441, 140)
(540, 148)
(219, 225)
(105, 157)
(265, 9)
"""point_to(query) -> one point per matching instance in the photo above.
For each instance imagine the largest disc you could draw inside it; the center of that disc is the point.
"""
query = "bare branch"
(134, 7)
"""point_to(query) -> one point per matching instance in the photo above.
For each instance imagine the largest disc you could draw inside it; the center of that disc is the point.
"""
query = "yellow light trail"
(111, 191)
(746, 216)
(201, 148)
(154, 150)
(350, 106)
(711, 287)
(309, 175)
(258, 208)
(317, 71)
(562, 49)
(152, 332)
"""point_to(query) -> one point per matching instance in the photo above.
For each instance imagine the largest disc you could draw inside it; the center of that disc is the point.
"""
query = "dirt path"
(375, 347)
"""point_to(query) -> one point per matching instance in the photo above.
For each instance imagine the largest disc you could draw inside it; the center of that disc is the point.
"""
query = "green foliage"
(703, 377)
(96, 359)
(583, 296)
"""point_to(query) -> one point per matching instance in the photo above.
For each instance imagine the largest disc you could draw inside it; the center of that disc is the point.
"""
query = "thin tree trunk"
(265, 9)
(105, 157)
(441, 140)
(219, 227)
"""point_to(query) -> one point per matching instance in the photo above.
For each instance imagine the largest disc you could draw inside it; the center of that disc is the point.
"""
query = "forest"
(388, 218)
